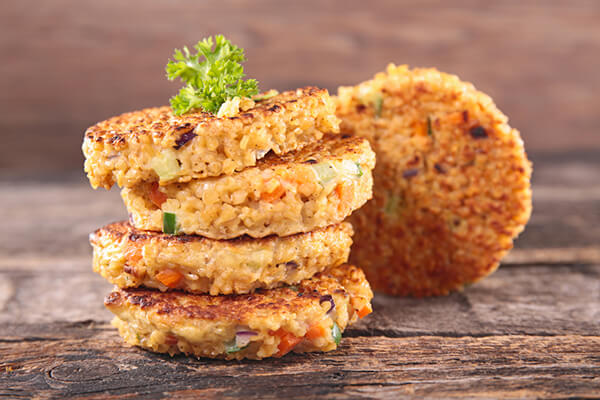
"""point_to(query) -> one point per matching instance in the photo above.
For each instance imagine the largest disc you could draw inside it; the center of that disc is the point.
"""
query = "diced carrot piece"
(363, 312)
(133, 254)
(421, 128)
(275, 194)
(316, 331)
(344, 192)
(456, 118)
(156, 196)
(169, 277)
(287, 341)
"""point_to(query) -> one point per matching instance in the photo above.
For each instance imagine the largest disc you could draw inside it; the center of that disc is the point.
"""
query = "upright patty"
(451, 186)
(129, 257)
(300, 191)
(307, 317)
(156, 145)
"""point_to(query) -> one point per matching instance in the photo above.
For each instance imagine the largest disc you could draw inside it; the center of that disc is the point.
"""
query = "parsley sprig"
(212, 76)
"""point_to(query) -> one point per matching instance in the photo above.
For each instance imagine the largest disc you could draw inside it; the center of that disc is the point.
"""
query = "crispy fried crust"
(122, 149)
(128, 257)
(203, 325)
(451, 185)
(300, 191)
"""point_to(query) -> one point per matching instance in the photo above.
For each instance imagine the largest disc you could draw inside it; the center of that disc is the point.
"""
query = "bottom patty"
(129, 257)
(307, 317)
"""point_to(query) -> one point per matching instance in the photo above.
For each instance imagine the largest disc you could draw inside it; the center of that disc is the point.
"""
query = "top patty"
(451, 184)
(154, 144)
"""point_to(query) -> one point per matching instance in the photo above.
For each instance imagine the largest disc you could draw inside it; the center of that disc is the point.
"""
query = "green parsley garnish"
(212, 76)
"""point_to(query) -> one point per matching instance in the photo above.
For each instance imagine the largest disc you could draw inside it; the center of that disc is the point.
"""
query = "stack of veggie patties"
(235, 246)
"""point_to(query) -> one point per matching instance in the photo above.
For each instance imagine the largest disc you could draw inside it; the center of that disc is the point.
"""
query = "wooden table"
(532, 329)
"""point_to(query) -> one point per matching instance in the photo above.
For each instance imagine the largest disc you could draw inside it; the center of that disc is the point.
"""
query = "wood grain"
(69, 64)
(93, 364)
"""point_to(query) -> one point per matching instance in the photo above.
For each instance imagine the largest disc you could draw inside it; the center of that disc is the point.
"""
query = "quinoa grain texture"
(451, 184)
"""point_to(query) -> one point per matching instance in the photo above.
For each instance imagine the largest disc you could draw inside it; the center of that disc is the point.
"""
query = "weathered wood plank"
(97, 365)
(533, 300)
(99, 59)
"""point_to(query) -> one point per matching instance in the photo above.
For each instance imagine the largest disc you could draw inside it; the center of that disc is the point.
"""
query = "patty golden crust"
(451, 185)
(303, 318)
(300, 191)
(155, 145)
(128, 257)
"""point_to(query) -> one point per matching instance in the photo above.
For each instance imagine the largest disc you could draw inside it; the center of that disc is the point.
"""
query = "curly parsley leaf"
(212, 76)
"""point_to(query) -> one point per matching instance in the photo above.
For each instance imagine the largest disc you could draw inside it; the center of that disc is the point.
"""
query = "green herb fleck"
(378, 103)
(266, 96)
(429, 130)
(360, 172)
(336, 333)
(232, 347)
(137, 335)
(169, 223)
(212, 76)
(392, 204)
(294, 288)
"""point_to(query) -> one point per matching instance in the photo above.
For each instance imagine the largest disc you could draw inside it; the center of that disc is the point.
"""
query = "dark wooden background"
(67, 64)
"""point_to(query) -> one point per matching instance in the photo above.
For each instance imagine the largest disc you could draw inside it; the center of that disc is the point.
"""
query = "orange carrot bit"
(363, 312)
(169, 277)
(316, 331)
(457, 117)
(287, 341)
(156, 196)
(133, 254)
(274, 194)
(420, 128)
(344, 192)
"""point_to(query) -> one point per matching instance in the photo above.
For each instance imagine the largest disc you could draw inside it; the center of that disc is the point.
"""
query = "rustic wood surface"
(70, 63)
(530, 330)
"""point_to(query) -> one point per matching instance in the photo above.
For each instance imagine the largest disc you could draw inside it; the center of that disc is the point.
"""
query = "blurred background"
(67, 64)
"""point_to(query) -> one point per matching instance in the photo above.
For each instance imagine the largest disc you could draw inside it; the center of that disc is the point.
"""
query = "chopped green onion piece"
(169, 223)
(294, 288)
(336, 333)
(325, 171)
(232, 347)
(137, 335)
(392, 204)
(429, 130)
(266, 96)
(378, 103)
(165, 165)
(359, 173)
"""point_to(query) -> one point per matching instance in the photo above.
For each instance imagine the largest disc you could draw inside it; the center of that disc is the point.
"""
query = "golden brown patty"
(307, 317)
(129, 257)
(154, 144)
(451, 185)
(300, 191)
